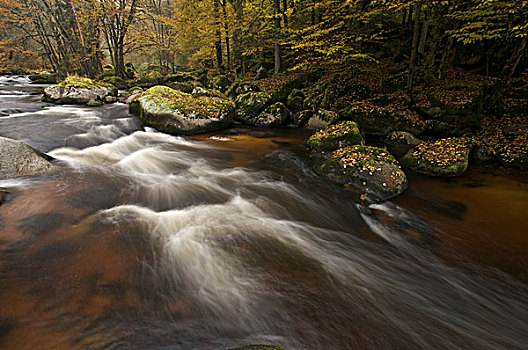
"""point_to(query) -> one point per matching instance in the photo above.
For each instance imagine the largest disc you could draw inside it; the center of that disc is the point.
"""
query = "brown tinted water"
(148, 241)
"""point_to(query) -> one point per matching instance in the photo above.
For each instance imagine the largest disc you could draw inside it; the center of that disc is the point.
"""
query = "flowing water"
(148, 241)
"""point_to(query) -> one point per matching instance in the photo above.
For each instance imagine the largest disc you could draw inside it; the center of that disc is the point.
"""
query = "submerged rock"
(336, 136)
(446, 157)
(370, 169)
(77, 90)
(18, 159)
(3, 196)
(179, 113)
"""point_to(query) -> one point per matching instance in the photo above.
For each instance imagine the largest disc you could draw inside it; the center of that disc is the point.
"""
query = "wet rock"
(110, 99)
(18, 159)
(372, 170)
(446, 157)
(3, 196)
(321, 119)
(250, 105)
(76, 90)
(273, 116)
(380, 121)
(95, 103)
(336, 136)
(178, 113)
(400, 142)
(40, 224)
(513, 156)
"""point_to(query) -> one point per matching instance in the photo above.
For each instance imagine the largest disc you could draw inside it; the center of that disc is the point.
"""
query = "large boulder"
(275, 115)
(370, 169)
(179, 113)
(77, 90)
(250, 105)
(18, 159)
(336, 136)
(446, 157)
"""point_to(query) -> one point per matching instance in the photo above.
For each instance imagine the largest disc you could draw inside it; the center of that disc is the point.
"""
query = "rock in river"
(77, 90)
(18, 159)
(445, 157)
(372, 170)
(179, 113)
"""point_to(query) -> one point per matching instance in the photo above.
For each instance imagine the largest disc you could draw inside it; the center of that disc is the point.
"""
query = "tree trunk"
(412, 63)
(227, 36)
(218, 42)
(409, 19)
(277, 36)
(425, 28)
(284, 9)
(445, 58)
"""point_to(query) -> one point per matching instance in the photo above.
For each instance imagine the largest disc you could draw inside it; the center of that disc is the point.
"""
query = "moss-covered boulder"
(250, 105)
(513, 155)
(18, 159)
(372, 170)
(77, 90)
(178, 113)
(336, 136)
(44, 78)
(295, 99)
(275, 115)
(446, 157)
(400, 142)
(221, 82)
(321, 119)
(380, 121)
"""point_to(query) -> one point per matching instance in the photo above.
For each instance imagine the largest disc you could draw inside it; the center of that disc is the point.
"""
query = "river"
(148, 241)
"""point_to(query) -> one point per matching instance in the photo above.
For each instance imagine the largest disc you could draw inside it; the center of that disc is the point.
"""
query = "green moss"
(197, 107)
(83, 83)
(343, 134)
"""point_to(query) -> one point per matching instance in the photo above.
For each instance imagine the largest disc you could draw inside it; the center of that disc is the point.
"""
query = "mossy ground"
(197, 107)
